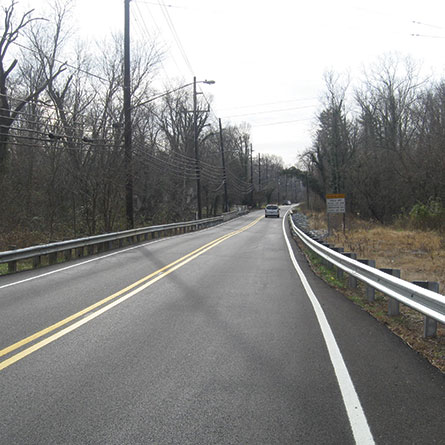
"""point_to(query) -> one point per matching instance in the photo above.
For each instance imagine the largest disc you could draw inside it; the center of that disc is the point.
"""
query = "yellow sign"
(336, 203)
(336, 196)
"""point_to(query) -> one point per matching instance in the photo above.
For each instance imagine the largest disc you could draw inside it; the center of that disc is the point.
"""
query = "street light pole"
(195, 143)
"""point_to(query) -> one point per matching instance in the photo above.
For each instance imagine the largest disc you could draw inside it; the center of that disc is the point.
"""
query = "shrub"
(428, 216)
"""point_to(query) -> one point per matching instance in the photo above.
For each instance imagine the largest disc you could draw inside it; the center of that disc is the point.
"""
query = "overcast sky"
(268, 57)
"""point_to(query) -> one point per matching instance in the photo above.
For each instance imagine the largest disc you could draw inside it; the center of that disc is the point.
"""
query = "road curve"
(204, 338)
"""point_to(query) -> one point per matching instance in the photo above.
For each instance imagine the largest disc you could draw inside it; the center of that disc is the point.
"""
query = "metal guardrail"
(107, 241)
(430, 304)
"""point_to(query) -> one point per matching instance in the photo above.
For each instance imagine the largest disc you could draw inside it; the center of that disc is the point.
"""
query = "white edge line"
(62, 269)
(357, 419)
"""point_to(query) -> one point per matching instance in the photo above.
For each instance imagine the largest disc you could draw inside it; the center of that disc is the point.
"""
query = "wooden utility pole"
(259, 172)
(128, 152)
(226, 201)
(251, 175)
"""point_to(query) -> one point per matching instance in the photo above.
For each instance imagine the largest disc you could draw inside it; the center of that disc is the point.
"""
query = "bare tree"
(10, 108)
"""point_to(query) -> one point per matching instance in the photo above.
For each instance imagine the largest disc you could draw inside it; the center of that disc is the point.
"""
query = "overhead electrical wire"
(180, 47)
(157, 4)
(59, 61)
(145, 30)
(176, 162)
(22, 116)
(269, 104)
(268, 111)
(149, 160)
(175, 35)
(416, 22)
(208, 171)
(282, 122)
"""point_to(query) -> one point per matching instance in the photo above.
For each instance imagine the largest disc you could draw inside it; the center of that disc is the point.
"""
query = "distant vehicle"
(272, 210)
(286, 203)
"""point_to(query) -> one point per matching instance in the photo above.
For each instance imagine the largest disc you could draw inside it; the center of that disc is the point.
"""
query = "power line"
(269, 103)
(283, 122)
(175, 35)
(59, 61)
(416, 22)
(157, 4)
(427, 36)
(269, 111)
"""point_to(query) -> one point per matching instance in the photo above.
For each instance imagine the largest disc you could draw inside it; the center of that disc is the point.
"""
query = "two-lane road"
(203, 338)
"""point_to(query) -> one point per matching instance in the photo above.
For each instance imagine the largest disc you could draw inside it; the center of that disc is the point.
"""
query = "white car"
(272, 210)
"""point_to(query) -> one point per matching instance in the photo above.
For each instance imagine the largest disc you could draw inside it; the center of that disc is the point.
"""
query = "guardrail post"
(370, 291)
(429, 324)
(52, 258)
(323, 261)
(393, 304)
(67, 255)
(352, 281)
(339, 272)
(12, 265)
(90, 249)
(36, 261)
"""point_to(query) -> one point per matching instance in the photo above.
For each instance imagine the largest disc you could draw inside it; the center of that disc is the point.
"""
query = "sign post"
(336, 203)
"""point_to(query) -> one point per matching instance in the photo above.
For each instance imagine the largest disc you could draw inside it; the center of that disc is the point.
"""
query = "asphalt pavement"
(203, 338)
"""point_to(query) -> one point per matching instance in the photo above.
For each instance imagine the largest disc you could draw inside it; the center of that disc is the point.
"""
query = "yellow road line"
(160, 273)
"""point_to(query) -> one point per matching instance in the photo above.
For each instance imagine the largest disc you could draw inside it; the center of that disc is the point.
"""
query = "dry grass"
(420, 255)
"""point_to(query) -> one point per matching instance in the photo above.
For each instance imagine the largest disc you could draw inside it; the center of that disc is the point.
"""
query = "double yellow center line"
(104, 305)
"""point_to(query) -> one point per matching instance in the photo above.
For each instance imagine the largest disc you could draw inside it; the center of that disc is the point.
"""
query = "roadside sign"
(336, 203)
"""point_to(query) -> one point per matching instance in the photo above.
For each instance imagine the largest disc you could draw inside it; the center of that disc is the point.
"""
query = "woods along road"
(219, 336)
